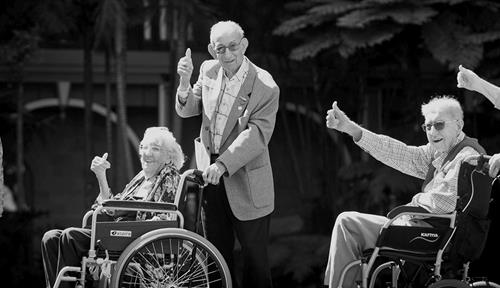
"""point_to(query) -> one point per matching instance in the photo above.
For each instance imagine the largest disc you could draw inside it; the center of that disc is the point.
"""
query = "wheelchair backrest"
(474, 190)
(472, 223)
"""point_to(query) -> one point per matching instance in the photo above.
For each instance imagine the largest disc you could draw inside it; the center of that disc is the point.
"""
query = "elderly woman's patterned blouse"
(163, 188)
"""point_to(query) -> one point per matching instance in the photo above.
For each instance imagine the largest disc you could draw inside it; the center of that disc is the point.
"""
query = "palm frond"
(298, 23)
(492, 5)
(446, 41)
(403, 14)
(297, 6)
(384, 2)
(480, 38)
(354, 39)
(313, 47)
(336, 7)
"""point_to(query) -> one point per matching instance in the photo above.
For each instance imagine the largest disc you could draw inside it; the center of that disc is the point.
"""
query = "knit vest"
(466, 142)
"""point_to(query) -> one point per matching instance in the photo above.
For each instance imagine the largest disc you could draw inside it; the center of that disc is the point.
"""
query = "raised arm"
(188, 98)
(336, 119)
(471, 81)
(99, 166)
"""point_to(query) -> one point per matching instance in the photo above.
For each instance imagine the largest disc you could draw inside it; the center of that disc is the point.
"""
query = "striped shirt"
(440, 194)
(228, 93)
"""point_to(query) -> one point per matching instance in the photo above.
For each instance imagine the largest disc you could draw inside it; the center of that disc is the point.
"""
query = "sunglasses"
(232, 47)
(438, 125)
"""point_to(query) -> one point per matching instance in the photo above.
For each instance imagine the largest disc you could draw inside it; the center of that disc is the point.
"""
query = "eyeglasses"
(232, 47)
(438, 125)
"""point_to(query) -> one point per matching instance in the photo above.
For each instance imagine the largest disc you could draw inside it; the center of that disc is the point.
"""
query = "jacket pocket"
(261, 186)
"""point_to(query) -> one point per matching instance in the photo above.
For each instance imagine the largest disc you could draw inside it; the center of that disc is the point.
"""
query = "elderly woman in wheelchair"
(433, 226)
(134, 238)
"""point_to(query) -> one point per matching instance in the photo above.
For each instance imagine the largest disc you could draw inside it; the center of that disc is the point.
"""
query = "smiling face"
(152, 154)
(442, 140)
(228, 46)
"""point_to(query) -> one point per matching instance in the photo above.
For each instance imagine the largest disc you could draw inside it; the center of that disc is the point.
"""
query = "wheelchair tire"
(449, 283)
(164, 258)
(485, 284)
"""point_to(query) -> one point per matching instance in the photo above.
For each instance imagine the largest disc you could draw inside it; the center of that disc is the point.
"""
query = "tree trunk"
(121, 63)
(88, 99)
(107, 95)
(2, 192)
(21, 197)
(177, 51)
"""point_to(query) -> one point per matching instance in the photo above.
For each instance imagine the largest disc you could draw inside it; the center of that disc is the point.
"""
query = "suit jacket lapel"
(240, 103)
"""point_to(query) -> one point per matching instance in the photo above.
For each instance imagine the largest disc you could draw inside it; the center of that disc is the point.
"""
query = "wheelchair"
(150, 254)
(437, 256)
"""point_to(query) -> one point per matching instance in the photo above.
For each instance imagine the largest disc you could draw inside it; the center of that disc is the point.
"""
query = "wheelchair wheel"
(171, 258)
(449, 283)
(485, 284)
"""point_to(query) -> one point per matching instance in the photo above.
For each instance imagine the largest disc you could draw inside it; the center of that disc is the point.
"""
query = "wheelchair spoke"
(172, 262)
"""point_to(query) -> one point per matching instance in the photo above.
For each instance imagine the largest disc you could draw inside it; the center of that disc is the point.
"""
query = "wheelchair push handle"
(194, 176)
(480, 161)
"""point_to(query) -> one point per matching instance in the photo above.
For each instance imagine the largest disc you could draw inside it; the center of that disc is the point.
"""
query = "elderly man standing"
(437, 162)
(238, 102)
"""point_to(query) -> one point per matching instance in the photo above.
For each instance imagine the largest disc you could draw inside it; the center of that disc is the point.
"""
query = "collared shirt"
(440, 194)
(228, 93)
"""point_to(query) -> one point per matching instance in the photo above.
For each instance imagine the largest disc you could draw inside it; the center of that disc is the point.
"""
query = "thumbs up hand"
(185, 69)
(99, 165)
(466, 78)
(336, 118)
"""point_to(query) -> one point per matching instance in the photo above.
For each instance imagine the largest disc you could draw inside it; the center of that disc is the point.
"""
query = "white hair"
(172, 149)
(444, 103)
(224, 26)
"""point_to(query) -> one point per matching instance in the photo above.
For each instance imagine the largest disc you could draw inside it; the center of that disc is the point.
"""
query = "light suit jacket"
(244, 145)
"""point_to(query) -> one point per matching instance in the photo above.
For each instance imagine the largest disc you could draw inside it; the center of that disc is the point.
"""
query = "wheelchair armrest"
(436, 220)
(138, 205)
(406, 209)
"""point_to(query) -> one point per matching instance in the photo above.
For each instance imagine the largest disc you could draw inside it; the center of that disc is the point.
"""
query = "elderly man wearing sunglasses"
(437, 162)
(471, 81)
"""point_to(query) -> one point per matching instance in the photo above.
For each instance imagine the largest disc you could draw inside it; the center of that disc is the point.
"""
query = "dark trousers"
(222, 226)
(63, 248)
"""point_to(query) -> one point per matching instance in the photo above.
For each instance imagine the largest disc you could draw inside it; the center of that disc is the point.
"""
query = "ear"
(211, 51)
(460, 125)
(244, 44)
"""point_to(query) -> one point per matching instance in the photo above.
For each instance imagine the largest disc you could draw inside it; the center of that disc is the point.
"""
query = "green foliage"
(446, 40)
(401, 14)
(453, 31)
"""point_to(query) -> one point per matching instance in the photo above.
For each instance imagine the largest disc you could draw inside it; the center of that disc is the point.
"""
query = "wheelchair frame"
(366, 263)
(201, 249)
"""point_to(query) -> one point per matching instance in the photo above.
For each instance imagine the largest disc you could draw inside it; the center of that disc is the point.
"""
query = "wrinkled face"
(442, 129)
(152, 154)
(229, 49)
